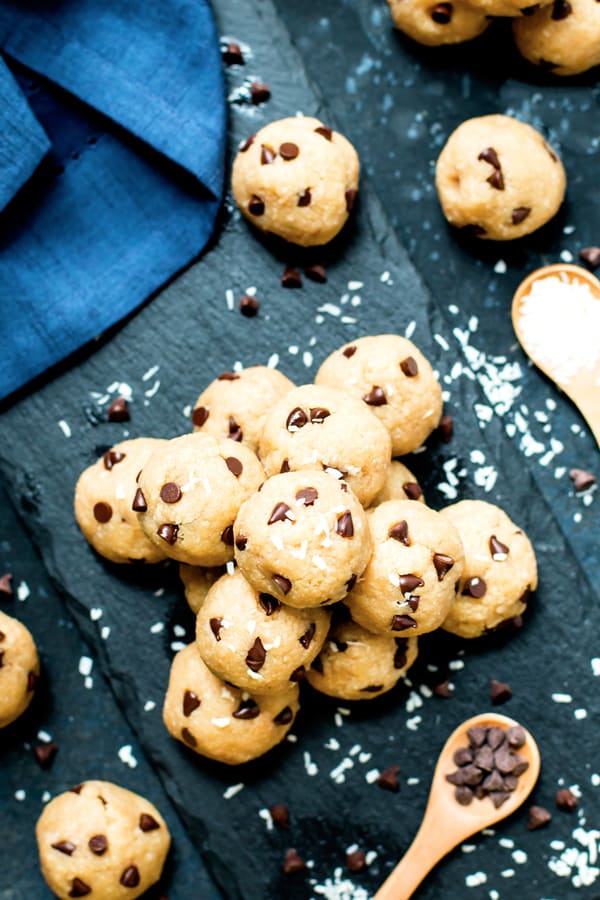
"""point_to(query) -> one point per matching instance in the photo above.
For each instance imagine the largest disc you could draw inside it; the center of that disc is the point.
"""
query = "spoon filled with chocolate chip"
(486, 770)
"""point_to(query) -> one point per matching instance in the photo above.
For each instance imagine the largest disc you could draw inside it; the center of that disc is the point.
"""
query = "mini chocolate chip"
(590, 256)
(168, 532)
(267, 155)
(296, 419)
(234, 465)
(446, 428)
(441, 13)
(490, 156)
(350, 196)
(409, 582)
(351, 582)
(148, 822)
(498, 550)
(191, 701)
(269, 604)
(130, 877)
(255, 658)
(324, 131)
(256, 207)
(581, 479)
(65, 847)
(375, 397)
(442, 689)
(292, 862)
(495, 736)
(98, 844)
(356, 861)
(111, 458)
(399, 532)
(401, 623)
(76, 790)
(307, 496)
(284, 717)
(413, 603)
(259, 92)
(289, 151)
(561, 9)
(499, 692)
(232, 54)
(291, 278)
(317, 665)
(344, 525)
(227, 535)
(388, 780)
(118, 411)
(308, 635)
(409, 367)
(474, 587)
(103, 512)
(442, 565)
(349, 351)
(249, 306)
(44, 754)
(305, 198)
(139, 502)
(412, 490)
(241, 541)
(279, 513)
(245, 145)
(284, 584)
(248, 709)
(519, 214)
(299, 674)
(477, 735)
(566, 800)
(316, 272)
(199, 416)
(215, 626)
(318, 414)
(170, 492)
(280, 815)
(188, 737)
(79, 888)
(496, 180)
(32, 680)
(538, 817)
(515, 737)
(5, 584)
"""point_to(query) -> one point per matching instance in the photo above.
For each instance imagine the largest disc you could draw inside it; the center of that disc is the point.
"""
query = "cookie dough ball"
(219, 721)
(297, 179)
(499, 573)
(321, 427)
(197, 582)
(302, 538)
(253, 641)
(19, 669)
(498, 178)
(357, 665)
(393, 378)
(563, 38)
(409, 584)
(433, 23)
(235, 404)
(103, 499)
(400, 484)
(189, 493)
(102, 840)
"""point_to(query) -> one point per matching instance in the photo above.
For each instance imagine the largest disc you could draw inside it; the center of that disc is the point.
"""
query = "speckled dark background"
(397, 103)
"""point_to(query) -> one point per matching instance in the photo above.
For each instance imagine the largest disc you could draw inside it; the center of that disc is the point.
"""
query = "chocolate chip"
(496, 180)
(76, 790)
(216, 623)
(5, 584)
(44, 754)
(515, 737)
(400, 653)
(291, 278)
(249, 306)
(32, 680)
(474, 587)
(490, 156)
(409, 582)
(441, 13)
(510, 782)
(227, 535)
(463, 756)
(317, 665)
(1, 658)
(188, 737)
(351, 582)
(98, 844)
(375, 397)
(399, 532)
(350, 196)
(473, 230)
(148, 822)
(581, 479)
(442, 689)
(280, 815)
(304, 200)
(498, 798)
(298, 674)
(538, 817)
(401, 623)
(279, 513)
(356, 861)
(307, 496)
(316, 272)
(412, 490)
(111, 458)
(139, 502)
(324, 131)
(495, 736)
(372, 688)
(318, 414)
(284, 717)
(267, 155)
(566, 800)
(170, 492)
(530, 10)
(191, 701)
(284, 584)
(234, 465)
(484, 758)
(344, 525)
(519, 214)
(292, 862)
(463, 794)
(199, 416)
(235, 432)
(269, 604)
(590, 256)
(228, 376)
(342, 646)
(388, 780)
(561, 9)
(498, 550)
(499, 692)
(168, 532)
(130, 877)
(103, 512)
(255, 658)
(245, 145)
(79, 888)
(409, 367)
(232, 54)
(289, 151)
(256, 207)
(248, 709)
(349, 351)
(259, 92)
(308, 635)
(442, 565)
(118, 411)
(65, 847)
(477, 735)
(285, 467)
(446, 428)
(241, 541)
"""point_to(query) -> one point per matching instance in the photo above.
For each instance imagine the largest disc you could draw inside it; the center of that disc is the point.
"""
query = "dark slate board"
(189, 332)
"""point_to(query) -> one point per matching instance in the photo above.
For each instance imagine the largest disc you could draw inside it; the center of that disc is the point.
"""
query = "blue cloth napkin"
(130, 96)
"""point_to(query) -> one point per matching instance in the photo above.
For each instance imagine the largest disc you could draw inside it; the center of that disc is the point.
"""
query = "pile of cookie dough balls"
(306, 551)
(562, 37)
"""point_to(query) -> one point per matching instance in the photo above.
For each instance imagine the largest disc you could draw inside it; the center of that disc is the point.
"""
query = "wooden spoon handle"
(431, 843)
(587, 398)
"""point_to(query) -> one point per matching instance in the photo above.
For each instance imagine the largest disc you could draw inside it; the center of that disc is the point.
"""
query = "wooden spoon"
(583, 386)
(446, 823)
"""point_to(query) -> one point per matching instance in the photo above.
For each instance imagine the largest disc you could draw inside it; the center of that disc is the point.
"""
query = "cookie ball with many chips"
(254, 641)
(498, 179)
(303, 538)
(103, 499)
(500, 569)
(219, 721)
(400, 484)
(434, 24)
(235, 404)
(100, 840)
(297, 179)
(393, 378)
(189, 493)
(409, 585)
(324, 428)
(19, 669)
(358, 665)
(563, 38)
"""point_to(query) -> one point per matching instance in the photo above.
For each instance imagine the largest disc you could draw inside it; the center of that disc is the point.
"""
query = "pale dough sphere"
(219, 721)
(197, 582)
(253, 641)
(235, 404)
(563, 38)
(101, 840)
(357, 665)
(297, 179)
(189, 493)
(103, 499)
(499, 573)
(409, 585)
(19, 669)
(320, 427)
(432, 23)
(498, 178)
(302, 538)
(400, 484)
(393, 378)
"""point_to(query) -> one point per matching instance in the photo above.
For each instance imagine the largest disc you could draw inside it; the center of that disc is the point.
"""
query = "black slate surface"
(190, 334)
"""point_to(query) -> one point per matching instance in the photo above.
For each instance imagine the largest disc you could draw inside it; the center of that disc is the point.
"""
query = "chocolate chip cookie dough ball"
(219, 721)
(323, 428)
(499, 572)
(498, 179)
(103, 499)
(409, 585)
(19, 669)
(563, 38)
(235, 404)
(189, 493)
(253, 641)
(433, 24)
(400, 484)
(101, 840)
(302, 538)
(197, 582)
(357, 665)
(393, 378)
(297, 179)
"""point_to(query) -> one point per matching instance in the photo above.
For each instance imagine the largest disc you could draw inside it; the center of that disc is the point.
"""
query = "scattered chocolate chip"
(519, 214)
(188, 737)
(490, 156)
(299, 674)
(199, 416)
(581, 479)
(267, 155)
(399, 532)
(170, 492)
(350, 196)
(474, 587)
(409, 582)
(241, 541)
(103, 512)
(496, 180)
(289, 151)
(248, 709)
(498, 550)
(291, 278)
(232, 54)
(44, 753)
(139, 502)
(255, 658)
(245, 145)
(441, 13)
(401, 623)
(79, 888)
(356, 861)
(344, 525)
(446, 428)
(190, 700)
(538, 817)
(279, 513)
(307, 496)
(318, 414)
(168, 532)
(98, 844)
(375, 397)
(499, 692)
(256, 207)
(566, 800)
(5, 584)
(65, 847)
(284, 717)
(561, 9)
(349, 351)
(409, 367)
(280, 815)
(442, 565)
(308, 635)
(118, 411)
(388, 780)
(234, 465)
(130, 877)
(324, 131)
(590, 256)
(442, 689)
(32, 680)
(216, 623)
(292, 862)
(148, 822)
(316, 272)
(473, 230)
(259, 92)
(111, 458)
(351, 582)
(284, 584)
(304, 199)
(249, 306)
(412, 490)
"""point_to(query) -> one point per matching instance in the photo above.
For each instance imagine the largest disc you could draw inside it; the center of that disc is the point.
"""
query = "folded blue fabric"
(131, 98)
